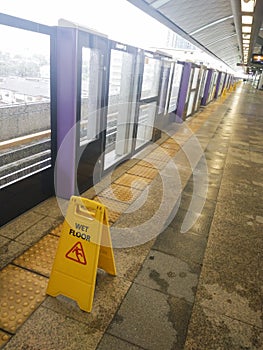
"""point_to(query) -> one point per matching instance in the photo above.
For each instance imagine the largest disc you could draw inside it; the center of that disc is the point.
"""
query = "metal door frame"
(143, 101)
(93, 148)
(118, 46)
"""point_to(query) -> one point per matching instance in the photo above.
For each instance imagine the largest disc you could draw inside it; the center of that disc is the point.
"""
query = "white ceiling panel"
(213, 25)
(192, 15)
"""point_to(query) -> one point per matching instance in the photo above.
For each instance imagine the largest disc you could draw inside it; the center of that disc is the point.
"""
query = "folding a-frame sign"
(85, 245)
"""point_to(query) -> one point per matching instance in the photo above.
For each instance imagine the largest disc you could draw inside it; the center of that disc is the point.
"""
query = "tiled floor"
(186, 224)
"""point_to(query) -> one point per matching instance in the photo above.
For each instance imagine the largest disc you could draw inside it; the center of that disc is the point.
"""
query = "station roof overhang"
(214, 26)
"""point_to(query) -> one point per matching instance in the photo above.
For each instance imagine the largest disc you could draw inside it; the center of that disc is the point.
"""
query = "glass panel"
(195, 78)
(120, 117)
(190, 103)
(194, 73)
(175, 87)
(164, 87)
(151, 77)
(221, 84)
(145, 123)
(200, 88)
(189, 84)
(25, 147)
(90, 92)
(204, 83)
(213, 86)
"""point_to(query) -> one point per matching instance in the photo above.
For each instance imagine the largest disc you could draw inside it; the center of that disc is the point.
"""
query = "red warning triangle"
(76, 253)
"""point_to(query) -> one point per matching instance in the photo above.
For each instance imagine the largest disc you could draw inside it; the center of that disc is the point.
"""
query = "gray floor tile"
(188, 247)
(3, 241)
(202, 189)
(10, 250)
(248, 227)
(246, 219)
(190, 221)
(256, 157)
(110, 342)
(169, 275)
(109, 293)
(146, 217)
(37, 231)
(238, 153)
(49, 207)
(235, 197)
(198, 204)
(46, 329)
(20, 224)
(129, 260)
(160, 327)
(230, 282)
(209, 330)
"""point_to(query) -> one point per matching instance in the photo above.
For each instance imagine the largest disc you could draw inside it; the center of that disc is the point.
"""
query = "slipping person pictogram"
(76, 253)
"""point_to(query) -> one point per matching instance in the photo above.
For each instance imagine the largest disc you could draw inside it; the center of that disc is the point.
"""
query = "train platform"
(195, 282)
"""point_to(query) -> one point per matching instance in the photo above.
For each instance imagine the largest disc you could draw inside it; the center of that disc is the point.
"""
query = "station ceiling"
(215, 26)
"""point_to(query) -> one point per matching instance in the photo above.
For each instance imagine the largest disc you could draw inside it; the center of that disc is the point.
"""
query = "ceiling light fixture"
(247, 9)
(247, 19)
(246, 29)
(247, 5)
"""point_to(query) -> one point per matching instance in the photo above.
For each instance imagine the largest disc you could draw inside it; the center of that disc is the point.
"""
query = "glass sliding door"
(212, 87)
(165, 80)
(151, 78)
(162, 120)
(145, 123)
(221, 84)
(92, 58)
(175, 87)
(121, 104)
(90, 96)
(149, 99)
(201, 85)
(192, 91)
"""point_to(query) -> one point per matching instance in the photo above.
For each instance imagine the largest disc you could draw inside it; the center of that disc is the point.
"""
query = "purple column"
(207, 87)
(65, 175)
(183, 92)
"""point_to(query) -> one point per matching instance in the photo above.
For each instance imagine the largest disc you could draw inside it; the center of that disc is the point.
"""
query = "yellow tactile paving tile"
(142, 171)
(171, 140)
(170, 151)
(115, 208)
(160, 155)
(4, 337)
(152, 163)
(146, 163)
(120, 193)
(40, 257)
(171, 144)
(21, 293)
(133, 181)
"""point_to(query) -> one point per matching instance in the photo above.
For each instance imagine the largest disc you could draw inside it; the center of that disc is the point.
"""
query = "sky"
(119, 19)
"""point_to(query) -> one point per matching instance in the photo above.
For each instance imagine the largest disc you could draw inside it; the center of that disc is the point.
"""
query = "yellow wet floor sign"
(84, 245)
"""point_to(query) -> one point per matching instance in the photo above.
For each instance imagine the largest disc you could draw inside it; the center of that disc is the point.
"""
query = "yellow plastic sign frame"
(84, 245)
